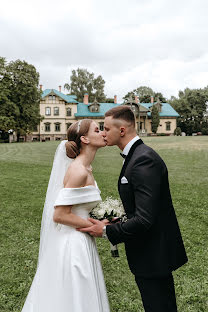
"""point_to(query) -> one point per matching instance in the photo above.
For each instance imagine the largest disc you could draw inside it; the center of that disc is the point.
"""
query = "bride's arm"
(63, 215)
(76, 177)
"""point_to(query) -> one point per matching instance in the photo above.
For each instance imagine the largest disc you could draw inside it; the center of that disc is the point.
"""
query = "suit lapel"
(128, 157)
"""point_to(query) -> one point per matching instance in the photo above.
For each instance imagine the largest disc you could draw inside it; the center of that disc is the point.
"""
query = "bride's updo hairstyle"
(74, 133)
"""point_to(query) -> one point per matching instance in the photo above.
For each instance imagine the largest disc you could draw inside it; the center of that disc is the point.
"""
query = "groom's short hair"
(123, 112)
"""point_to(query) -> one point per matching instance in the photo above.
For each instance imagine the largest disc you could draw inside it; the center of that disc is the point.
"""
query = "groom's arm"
(146, 183)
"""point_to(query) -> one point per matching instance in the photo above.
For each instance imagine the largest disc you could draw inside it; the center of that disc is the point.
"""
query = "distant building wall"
(59, 113)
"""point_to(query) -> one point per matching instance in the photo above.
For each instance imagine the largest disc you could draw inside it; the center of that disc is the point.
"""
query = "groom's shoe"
(114, 251)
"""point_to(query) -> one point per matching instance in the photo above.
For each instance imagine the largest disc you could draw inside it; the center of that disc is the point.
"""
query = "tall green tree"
(191, 105)
(82, 81)
(7, 108)
(25, 95)
(155, 118)
(144, 93)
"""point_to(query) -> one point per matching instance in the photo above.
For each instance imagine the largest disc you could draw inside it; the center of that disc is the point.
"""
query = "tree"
(177, 131)
(109, 100)
(204, 127)
(191, 106)
(20, 97)
(130, 95)
(7, 108)
(159, 96)
(83, 82)
(144, 93)
(155, 118)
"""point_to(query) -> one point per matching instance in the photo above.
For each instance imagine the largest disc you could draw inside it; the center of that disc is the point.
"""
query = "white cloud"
(161, 44)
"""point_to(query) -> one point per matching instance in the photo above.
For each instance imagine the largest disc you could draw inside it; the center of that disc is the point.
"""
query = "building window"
(68, 111)
(52, 98)
(168, 124)
(68, 125)
(57, 139)
(101, 126)
(47, 127)
(57, 127)
(56, 111)
(35, 128)
(94, 109)
(47, 111)
(47, 139)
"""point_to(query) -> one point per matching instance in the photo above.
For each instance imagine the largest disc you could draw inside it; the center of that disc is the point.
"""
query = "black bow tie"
(123, 155)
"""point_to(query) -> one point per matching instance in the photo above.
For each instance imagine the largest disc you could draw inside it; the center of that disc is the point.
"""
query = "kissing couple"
(69, 275)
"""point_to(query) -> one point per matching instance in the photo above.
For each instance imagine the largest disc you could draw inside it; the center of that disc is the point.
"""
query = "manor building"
(60, 111)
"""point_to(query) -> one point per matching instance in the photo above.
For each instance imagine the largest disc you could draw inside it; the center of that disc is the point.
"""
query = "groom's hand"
(96, 229)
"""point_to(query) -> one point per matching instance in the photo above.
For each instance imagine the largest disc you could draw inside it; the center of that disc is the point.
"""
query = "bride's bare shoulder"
(76, 176)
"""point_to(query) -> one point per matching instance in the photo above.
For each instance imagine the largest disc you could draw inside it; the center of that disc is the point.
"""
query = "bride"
(69, 276)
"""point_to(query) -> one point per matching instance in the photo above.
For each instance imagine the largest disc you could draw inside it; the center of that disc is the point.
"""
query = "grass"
(24, 173)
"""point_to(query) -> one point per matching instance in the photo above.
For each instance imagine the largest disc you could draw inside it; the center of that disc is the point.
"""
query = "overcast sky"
(162, 44)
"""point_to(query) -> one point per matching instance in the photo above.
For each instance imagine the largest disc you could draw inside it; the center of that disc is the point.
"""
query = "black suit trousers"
(158, 294)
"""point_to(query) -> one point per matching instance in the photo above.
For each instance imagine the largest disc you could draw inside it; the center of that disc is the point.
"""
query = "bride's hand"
(88, 224)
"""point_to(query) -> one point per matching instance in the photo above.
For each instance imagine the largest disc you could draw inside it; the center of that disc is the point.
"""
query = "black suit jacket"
(152, 237)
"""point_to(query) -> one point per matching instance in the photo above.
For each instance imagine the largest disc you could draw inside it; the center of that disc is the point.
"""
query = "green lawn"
(24, 174)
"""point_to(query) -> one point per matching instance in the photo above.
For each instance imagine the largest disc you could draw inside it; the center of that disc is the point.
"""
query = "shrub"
(177, 131)
(204, 131)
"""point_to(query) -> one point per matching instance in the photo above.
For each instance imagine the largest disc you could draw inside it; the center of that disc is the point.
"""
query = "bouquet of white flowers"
(109, 209)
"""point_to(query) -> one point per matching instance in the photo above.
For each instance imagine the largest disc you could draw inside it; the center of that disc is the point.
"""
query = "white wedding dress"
(69, 276)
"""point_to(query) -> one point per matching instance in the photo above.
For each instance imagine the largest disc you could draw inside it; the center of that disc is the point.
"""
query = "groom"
(152, 238)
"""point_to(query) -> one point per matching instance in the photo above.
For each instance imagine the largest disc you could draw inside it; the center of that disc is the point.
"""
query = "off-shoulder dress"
(69, 277)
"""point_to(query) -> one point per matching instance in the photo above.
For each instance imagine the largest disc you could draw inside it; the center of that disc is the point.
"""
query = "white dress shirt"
(129, 145)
